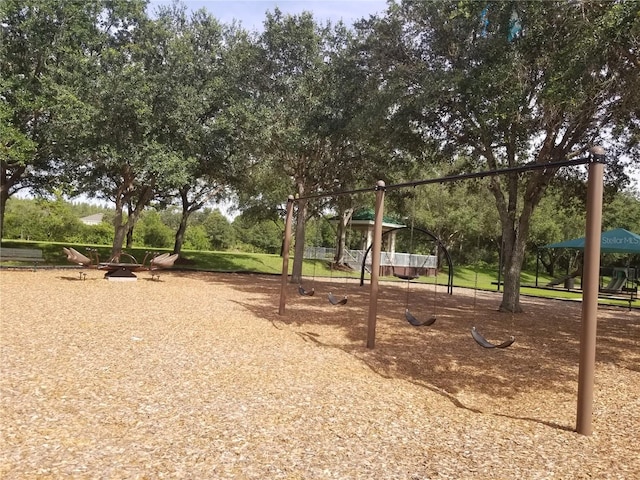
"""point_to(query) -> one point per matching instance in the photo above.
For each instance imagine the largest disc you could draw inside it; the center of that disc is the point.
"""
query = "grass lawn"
(467, 277)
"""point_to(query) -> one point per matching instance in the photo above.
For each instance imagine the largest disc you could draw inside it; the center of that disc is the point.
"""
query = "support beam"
(590, 279)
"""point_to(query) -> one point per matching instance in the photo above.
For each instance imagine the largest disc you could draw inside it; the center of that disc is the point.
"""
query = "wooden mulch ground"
(197, 376)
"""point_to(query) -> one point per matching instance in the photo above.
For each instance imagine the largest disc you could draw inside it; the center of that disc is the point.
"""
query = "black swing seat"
(335, 301)
(487, 344)
(307, 293)
(417, 323)
(406, 277)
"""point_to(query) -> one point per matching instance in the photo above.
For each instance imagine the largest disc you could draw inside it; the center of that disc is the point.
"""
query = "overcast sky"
(252, 13)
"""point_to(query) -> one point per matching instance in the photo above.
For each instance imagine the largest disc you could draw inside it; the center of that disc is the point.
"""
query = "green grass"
(468, 277)
(195, 260)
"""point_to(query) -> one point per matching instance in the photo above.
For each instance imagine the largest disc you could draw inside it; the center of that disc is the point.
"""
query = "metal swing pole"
(586, 372)
(375, 264)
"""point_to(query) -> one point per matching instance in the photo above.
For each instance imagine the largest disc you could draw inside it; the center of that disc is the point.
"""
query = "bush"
(196, 238)
(155, 233)
(101, 234)
(43, 220)
(221, 234)
(264, 236)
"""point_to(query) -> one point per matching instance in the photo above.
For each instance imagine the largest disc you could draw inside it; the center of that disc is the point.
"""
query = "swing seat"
(306, 293)
(487, 344)
(335, 301)
(417, 323)
(405, 275)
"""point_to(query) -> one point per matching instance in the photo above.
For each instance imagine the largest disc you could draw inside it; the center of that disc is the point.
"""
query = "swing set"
(413, 270)
(310, 292)
(595, 161)
(410, 273)
(477, 336)
(333, 299)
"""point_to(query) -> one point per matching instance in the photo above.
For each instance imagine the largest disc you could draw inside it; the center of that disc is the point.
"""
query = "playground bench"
(27, 255)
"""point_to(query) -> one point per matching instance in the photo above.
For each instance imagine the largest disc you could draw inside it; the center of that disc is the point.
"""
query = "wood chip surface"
(196, 376)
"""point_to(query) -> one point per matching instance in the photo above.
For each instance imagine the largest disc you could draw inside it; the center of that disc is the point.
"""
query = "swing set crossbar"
(464, 176)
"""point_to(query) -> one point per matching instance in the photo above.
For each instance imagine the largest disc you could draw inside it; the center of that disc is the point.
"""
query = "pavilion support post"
(376, 250)
(586, 372)
(285, 255)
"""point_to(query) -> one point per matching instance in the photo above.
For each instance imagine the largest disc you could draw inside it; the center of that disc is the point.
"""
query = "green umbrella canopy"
(613, 241)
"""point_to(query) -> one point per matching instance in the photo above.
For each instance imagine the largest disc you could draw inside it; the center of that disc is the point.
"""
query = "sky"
(251, 14)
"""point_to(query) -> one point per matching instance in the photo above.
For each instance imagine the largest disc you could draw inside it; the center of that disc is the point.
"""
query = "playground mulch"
(197, 376)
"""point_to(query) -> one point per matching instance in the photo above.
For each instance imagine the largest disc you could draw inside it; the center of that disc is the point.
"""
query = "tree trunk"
(6, 182)
(4, 196)
(550, 265)
(341, 237)
(182, 228)
(338, 258)
(515, 230)
(129, 224)
(298, 254)
(130, 237)
(120, 231)
(513, 258)
(200, 197)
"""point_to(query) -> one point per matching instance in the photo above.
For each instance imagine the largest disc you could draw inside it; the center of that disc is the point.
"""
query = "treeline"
(60, 221)
(446, 212)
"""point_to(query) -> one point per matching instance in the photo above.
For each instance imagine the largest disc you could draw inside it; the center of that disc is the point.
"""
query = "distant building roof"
(94, 219)
(370, 215)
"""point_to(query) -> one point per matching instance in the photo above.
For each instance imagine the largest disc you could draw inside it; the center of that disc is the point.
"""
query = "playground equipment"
(411, 274)
(595, 161)
(306, 293)
(486, 344)
(334, 301)
(123, 266)
(477, 336)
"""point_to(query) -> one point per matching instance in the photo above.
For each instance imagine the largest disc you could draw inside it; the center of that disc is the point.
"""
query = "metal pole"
(285, 255)
(376, 249)
(591, 272)
(454, 178)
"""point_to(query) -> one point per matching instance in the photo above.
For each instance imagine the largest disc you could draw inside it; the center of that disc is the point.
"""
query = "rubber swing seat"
(487, 344)
(307, 293)
(417, 323)
(335, 301)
